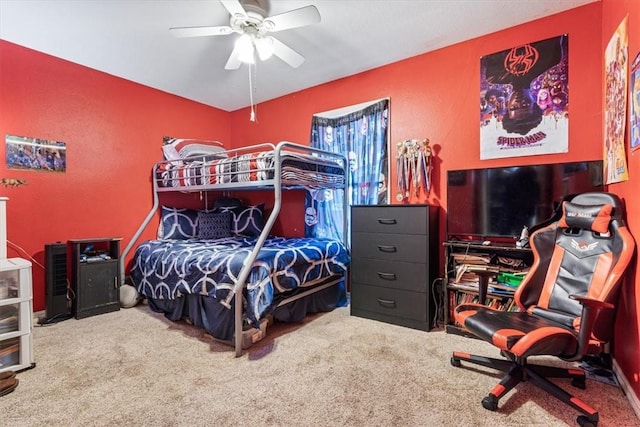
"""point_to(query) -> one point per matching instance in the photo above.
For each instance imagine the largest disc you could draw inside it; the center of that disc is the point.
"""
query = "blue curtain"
(361, 137)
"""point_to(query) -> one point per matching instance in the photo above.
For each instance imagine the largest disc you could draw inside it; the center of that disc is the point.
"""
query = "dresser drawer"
(390, 247)
(389, 302)
(389, 219)
(390, 274)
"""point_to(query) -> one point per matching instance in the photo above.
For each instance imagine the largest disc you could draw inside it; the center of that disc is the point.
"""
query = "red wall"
(435, 96)
(113, 127)
(627, 342)
(113, 131)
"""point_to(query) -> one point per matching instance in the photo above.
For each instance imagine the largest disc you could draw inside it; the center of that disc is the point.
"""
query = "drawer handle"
(387, 303)
(387, 248)
(387, 221)
(387, 276)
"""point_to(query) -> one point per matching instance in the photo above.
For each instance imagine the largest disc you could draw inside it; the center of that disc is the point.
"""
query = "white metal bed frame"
(277, 184)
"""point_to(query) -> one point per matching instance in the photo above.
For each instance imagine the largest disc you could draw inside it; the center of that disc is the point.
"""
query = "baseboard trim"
(626, 388)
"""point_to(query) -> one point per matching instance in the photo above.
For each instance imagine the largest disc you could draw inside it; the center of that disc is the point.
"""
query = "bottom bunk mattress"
(167, 270)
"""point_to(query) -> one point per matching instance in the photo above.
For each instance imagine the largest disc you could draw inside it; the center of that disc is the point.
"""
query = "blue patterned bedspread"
(167, 269)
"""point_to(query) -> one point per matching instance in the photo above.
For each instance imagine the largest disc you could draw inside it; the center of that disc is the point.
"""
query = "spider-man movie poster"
(524, 100)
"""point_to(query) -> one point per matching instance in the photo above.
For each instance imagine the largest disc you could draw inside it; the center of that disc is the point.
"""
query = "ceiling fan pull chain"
(252, 87)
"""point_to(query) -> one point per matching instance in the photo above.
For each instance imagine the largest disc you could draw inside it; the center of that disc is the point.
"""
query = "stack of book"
(499, 303)
(504, 274)
(504, 280)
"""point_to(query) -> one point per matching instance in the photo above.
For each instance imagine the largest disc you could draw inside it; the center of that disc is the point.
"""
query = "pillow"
(214, 225)
(588, 217)
(227, 202)
(177, 149)
(246, 220)
(178, 224)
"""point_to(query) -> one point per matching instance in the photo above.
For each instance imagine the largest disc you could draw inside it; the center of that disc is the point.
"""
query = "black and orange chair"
(566, 301)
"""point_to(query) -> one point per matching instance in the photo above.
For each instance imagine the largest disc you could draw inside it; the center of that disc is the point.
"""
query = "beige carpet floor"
(135, 368)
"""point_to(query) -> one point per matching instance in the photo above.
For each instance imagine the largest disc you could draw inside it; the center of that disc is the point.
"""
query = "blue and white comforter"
(168, 269)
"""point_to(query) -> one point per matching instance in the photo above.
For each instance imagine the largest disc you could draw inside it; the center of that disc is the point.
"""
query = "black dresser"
(394, 260)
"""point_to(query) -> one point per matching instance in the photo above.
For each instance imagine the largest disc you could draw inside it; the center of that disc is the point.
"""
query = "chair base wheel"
(585, 421)
(579, 383)
(455, 362)
(490, 402)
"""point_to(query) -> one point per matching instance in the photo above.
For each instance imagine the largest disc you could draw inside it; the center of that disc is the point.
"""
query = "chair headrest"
(587, 217)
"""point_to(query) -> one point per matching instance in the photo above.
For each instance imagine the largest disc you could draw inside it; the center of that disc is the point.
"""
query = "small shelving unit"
(16, 306)
(468, 264)
(95, 269)
(16, 340)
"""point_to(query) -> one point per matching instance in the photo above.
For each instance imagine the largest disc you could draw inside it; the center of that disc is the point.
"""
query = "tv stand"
(471, 272)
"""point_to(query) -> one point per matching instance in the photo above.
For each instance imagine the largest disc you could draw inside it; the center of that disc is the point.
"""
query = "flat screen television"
(496, 203)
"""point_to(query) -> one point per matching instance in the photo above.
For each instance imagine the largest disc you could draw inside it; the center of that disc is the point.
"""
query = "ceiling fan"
(250, 19)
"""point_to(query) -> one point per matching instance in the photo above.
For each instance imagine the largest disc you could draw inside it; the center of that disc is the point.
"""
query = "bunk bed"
(201, 278)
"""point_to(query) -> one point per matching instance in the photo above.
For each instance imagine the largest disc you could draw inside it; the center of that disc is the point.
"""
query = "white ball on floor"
(129, 296)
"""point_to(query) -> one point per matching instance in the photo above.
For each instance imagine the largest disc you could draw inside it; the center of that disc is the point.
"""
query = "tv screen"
(499, 202)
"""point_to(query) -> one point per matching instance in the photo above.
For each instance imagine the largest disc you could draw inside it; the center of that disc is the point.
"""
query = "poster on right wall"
(634, 114)
(616, 65)
(524, 100)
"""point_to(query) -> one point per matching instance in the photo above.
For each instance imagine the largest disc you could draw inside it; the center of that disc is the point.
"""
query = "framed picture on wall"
(36, 154)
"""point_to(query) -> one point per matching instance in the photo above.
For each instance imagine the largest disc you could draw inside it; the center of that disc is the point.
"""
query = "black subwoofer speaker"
(56, 283)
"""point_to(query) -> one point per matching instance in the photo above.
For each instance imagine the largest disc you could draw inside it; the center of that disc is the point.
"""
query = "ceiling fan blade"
(234, 7)
(287, 54)
(233, 63)
(222, 30)
(292, 19)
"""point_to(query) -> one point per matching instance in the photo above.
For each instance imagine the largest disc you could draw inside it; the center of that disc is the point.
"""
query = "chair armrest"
(592, 303)
(590, 309)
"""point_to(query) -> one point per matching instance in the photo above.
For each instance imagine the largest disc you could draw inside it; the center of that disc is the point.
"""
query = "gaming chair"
(566, 301)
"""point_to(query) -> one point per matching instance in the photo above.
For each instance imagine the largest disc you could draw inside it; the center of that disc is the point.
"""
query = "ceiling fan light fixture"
(268, 25)
(244, 45)
(264, 46)
(251, 20)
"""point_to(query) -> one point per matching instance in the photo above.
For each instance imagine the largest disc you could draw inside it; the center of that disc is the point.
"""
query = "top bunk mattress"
(236, 168)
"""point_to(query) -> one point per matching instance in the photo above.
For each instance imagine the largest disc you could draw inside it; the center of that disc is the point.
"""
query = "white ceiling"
(131, 39)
